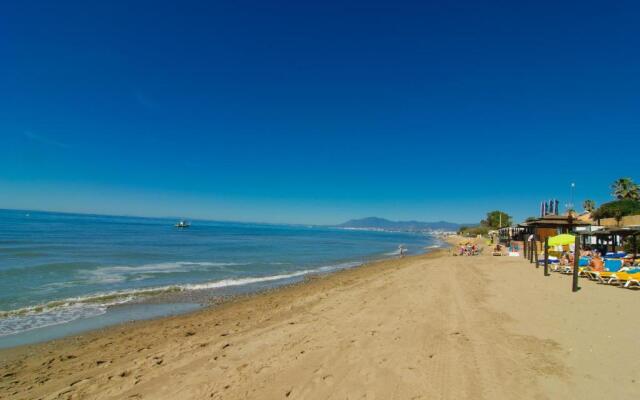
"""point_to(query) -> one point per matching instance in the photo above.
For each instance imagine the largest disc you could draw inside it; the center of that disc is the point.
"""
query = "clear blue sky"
(292, 112)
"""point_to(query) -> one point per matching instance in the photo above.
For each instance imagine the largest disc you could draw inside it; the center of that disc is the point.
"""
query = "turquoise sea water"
(60, 271)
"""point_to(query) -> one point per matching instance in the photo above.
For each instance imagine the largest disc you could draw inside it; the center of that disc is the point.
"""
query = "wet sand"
(430, 326)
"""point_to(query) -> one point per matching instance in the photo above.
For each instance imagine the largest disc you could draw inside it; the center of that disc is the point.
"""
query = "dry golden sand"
(425, 327)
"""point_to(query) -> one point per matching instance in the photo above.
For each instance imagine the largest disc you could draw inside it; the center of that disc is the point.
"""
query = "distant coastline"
(385, 225)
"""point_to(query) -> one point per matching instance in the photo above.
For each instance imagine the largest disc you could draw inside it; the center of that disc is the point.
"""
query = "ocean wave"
(67, 310)
(121, 273)
(25, 320)
(393, 253)
(242, 281)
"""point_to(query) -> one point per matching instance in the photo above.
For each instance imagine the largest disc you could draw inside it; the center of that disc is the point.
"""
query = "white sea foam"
(121, 273)
(242, 281)
(21, 323)
(67, 310)
(25, 320)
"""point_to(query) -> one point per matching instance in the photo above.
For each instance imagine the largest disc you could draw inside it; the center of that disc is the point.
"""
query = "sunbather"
(596, 264)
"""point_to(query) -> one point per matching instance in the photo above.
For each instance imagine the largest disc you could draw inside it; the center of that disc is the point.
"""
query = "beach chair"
(633, 283)
(610, 265)
(497, 251)
(623, 276)
(583, 264)
(618, 254)
(584, 261)
(554, 262)
(630, 279)
(611, 277)
(568, 270)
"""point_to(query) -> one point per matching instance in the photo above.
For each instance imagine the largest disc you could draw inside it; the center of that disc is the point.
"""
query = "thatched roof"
(554, 221)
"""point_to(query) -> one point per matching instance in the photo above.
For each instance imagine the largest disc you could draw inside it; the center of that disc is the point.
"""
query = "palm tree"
(589, 205)
(618, 217)
(625, 188)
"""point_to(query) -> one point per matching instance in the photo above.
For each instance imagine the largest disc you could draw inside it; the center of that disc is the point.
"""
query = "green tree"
(497, 219)
(473, 230)
(625, 188)
(618, 217)
(611, 209)
(589, 205)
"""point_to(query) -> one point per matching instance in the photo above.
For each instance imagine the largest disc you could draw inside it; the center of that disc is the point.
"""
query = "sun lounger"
(552, 260)
(633, 283)
(629, 278)
(610, 265)
(584, 261)
(621, 278)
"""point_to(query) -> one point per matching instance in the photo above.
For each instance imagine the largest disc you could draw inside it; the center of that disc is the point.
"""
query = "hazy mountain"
(381, 223)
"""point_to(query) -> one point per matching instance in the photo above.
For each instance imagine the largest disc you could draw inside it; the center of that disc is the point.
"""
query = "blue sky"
(289, 112)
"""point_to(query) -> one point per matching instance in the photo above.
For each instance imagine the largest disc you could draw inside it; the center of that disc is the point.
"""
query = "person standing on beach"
(401, 250)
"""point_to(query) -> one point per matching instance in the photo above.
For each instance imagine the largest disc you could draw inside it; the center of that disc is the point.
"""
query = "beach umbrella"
(562, 240)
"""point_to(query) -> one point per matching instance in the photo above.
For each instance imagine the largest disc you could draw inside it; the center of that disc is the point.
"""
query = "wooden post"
(535, 252)
(635, 248)
(524, 247)
(600, 245)
(530, 251)
(576, 263)
(613, 243)
(546, 256)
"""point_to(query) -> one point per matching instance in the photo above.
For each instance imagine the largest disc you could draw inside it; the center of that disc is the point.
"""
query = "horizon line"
(214, 220)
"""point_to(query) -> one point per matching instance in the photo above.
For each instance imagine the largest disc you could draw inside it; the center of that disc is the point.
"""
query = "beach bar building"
(541, 228)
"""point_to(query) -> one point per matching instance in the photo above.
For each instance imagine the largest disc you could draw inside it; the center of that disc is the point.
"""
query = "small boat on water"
(183, 224)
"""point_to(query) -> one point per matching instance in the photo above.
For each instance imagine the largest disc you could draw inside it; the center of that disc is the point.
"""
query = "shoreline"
(166, 300)
(206, 299)
(426, 326)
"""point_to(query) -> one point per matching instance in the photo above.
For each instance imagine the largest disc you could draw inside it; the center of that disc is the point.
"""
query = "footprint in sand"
(328, 379)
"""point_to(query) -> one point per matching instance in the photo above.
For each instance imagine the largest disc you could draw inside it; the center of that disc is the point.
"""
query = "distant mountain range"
(385, 224)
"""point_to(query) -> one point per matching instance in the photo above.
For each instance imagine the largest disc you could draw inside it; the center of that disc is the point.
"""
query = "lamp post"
(570, 205)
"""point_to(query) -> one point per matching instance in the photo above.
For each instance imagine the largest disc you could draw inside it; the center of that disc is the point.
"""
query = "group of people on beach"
(468, 249)
(595, 257)
(596, 262)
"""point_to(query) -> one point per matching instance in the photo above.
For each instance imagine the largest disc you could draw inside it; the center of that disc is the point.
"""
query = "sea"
(62, 274)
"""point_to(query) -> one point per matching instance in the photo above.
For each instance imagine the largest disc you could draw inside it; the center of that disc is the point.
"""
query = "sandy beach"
(425, 327)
